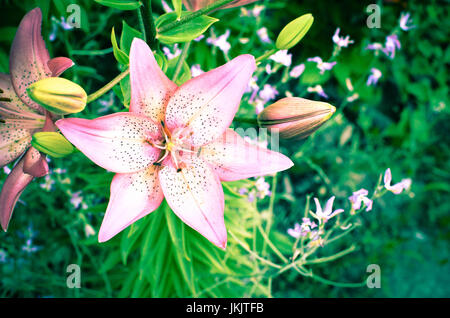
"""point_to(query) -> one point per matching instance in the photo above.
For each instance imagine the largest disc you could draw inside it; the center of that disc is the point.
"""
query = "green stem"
(255, 255)
(331, 257)
(149, 23)
(337, 284)
(253, 121)
(266, 55)
(271, 205)
(93, 52)
(188, 17)
(141, 23)
(271, 245)
(180, 61)
(108, 86)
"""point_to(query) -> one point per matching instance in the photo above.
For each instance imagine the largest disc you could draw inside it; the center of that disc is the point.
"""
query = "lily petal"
(195, 195)
(57, 65)
(150, 87)
(234, 159)
(29, 56)
(13, 187)
(15, 108)
(34, 163)
(117, 142)
(133, 196)
(13, 142)
(207, 103)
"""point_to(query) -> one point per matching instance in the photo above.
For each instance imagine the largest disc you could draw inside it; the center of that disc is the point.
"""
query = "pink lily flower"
(20, 117)
(174, 143)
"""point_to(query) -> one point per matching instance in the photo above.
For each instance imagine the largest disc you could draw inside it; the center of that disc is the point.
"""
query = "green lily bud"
(52, 143)
(294, 31)
(295, 117)
(58, 95)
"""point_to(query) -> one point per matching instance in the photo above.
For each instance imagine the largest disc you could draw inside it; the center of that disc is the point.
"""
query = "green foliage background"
(401, 123)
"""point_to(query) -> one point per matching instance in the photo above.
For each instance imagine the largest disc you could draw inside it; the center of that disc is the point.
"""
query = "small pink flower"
(404, 21)
(297, 71)
(341, 41)
(282, 57)
(321, 65)
(397, 188)
(328, 213)
(20, 116)
(360, 197)
(374, 76)
(391, 45)
(173, 144)
(318, 89)
(263, 35)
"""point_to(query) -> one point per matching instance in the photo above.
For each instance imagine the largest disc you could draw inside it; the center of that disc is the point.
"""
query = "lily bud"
(294, 117)
(58, 95)
(52, 143)
(294, 31)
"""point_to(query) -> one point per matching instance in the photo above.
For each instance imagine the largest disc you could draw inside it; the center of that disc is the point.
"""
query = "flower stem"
(331, 257)
(149, 23)
(188, 17)
(180, 61)
(337, 284)
(266, 55)
(253, 121)
(108, 86)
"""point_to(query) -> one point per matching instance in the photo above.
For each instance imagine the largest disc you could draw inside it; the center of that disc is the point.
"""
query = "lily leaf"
(185, 32)
(120, 4)
(128, 34)
(120, 55)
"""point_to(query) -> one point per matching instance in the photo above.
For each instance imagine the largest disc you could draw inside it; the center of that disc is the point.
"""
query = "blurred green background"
(401, 123)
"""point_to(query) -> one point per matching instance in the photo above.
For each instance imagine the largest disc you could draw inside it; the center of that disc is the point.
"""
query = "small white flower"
(297, 71)
(341, 41)
(397, 188)
(321, 65)
(327, 213)
(196, 70)
(404, 20)
(282, 57)
(263, 35)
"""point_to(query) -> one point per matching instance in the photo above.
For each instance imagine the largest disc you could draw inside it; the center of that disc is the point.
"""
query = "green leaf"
(120, 4)
(126, 91)
(128, 34)
(177, 4)
(120, 55)
(185, 73)
(185, 32)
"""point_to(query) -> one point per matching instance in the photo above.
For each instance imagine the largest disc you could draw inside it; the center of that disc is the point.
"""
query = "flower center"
(173, 145)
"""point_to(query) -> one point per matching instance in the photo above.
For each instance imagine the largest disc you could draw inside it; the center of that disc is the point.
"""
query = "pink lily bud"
(194, 5)
(294, 117)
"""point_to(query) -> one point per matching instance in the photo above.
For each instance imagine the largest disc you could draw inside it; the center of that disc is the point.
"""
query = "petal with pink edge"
(13, 142)
(150, 87)
(35, 163)
(119, 142)
(195, 195)
(207, 103)
(13, 187)
(57, 65)
(29, 56)
(133, 196)
(233, 158)
(15, 107)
